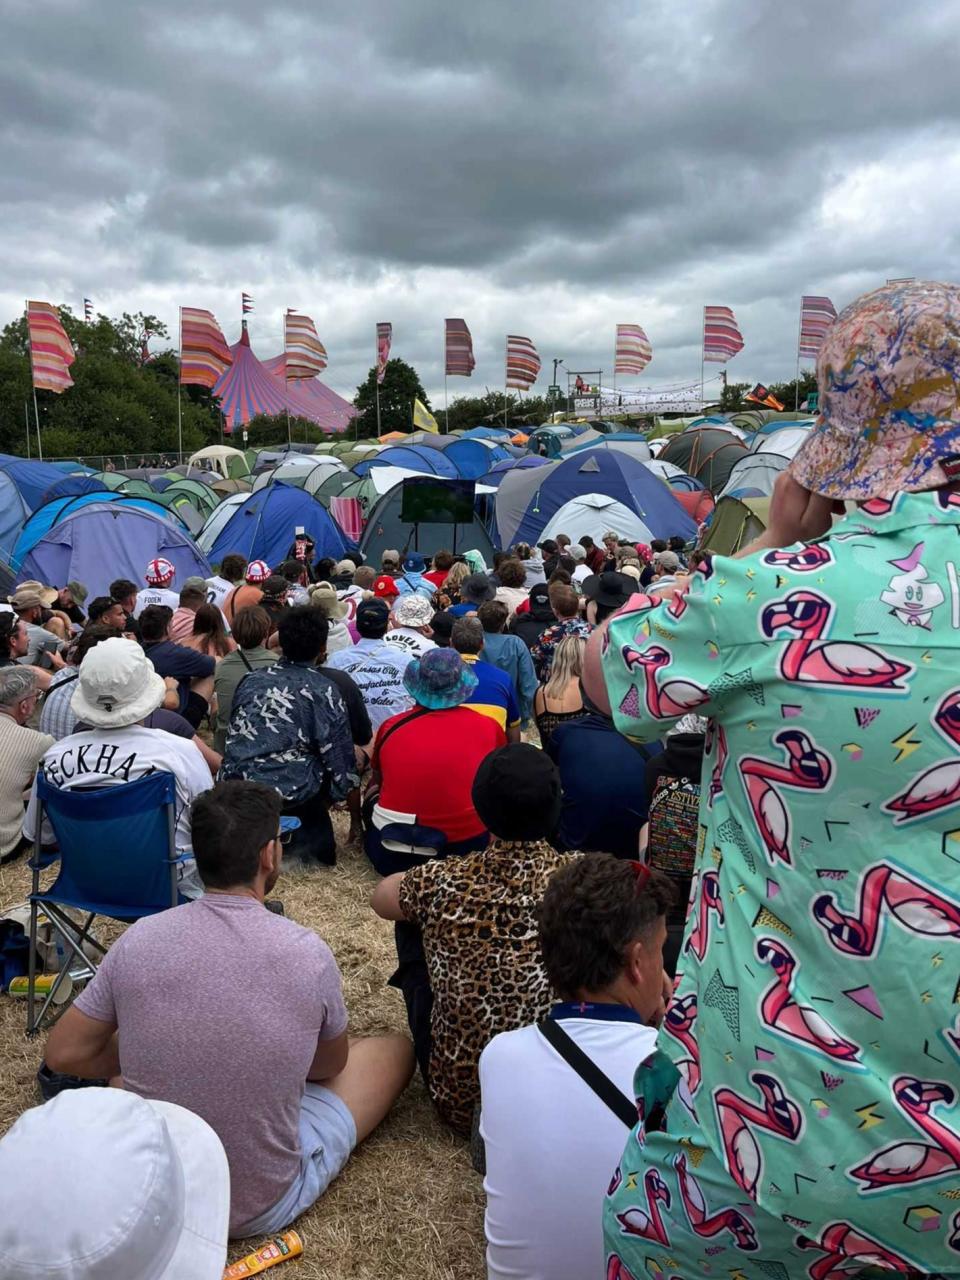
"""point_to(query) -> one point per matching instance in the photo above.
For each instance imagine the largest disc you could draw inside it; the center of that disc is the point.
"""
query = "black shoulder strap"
(418, 711)
(244, 659)
(589, 1072)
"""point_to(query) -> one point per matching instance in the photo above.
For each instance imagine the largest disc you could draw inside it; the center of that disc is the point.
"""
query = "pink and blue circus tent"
(251, 386)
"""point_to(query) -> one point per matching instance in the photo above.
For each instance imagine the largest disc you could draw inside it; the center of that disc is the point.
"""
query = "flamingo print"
(778, 1115)
(842, 1245)
(674, 697)
(915, 908)
(711, 1224)
(636, 1221)
(807, 768)
(910, 1162)
(813, 660)
(801, 1022)
(809, 557)
(706, 901)
(938, 787)
(716, 773)
(680, 1022)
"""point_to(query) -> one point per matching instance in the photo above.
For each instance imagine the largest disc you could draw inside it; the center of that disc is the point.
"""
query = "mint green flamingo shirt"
(815, 1025)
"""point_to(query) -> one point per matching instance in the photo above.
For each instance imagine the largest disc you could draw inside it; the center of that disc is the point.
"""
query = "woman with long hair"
(559, 699)
(459, 572)
(209, 633)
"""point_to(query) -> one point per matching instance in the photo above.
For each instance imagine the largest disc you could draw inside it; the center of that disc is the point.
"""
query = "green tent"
(706, 453)
(200, 496)
(735, 523)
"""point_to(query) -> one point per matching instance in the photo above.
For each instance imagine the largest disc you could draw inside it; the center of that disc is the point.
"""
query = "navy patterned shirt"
(289, 729)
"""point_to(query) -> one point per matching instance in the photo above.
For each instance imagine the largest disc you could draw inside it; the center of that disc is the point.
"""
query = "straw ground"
(408, 1205)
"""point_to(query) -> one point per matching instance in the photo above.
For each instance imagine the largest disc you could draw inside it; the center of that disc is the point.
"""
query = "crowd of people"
(663, 840)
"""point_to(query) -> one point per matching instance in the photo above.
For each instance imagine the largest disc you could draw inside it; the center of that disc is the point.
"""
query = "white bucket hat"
(413, 610)
(141, 1188)
(117, 685)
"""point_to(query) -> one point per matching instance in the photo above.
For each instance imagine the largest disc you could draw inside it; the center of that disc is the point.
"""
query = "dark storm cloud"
(633, 150)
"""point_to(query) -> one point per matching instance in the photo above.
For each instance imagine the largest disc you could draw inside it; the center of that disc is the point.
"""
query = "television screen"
(437, 502)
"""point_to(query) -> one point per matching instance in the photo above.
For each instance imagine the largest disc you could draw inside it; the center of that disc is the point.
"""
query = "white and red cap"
(258, 571)
(159, 572)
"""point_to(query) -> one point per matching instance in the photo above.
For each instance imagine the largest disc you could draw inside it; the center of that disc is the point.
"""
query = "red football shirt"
(428, 767)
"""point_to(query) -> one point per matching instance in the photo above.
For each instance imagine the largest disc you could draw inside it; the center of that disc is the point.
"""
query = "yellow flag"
(423, 419)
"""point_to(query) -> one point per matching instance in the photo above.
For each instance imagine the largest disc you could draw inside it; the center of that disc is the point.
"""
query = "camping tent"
(32, 478)
(304, 471)
(706, 453)
(215, 522)
(13, 514)
(626, 441)
(227, 462)
(262, 526)
(785, 440)
(736, 522)
(496, 473)
(57, 509)
(102, 541)
(528, 498)
(385, 528)
(592, 513)
(757, 472)
(412, 457)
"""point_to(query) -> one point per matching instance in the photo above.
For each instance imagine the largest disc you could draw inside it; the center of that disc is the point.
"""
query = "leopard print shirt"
(478, 916)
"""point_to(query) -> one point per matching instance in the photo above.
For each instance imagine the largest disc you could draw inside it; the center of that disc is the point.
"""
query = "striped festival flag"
(246, 303)
(306, 354)
(633, 351)
(51, 351)
(384, 342)
(458, 349)
(721, 334)
(816, 317)
(523, 362)
(204, 353)
(87, 310)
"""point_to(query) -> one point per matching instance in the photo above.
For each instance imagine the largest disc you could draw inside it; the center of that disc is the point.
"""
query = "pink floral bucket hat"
(889, 379)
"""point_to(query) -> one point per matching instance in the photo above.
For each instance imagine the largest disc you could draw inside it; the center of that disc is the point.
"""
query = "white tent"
(219, 455)
(217, 518)
(307, 471)
(786, 441)
(593, 513)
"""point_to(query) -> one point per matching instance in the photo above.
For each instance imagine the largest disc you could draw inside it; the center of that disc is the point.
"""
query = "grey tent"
(385, 528)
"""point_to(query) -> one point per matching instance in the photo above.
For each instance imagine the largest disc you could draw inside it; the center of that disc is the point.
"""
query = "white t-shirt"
(581, 572)
(415, 643)
(377, 670)
(109, 757)
(351, 597)
(552, 1146)
(218, 589)
(155, 595)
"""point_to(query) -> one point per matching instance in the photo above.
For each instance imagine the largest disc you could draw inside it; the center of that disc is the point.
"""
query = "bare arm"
(83, 1046)
(513, 733)
(386, 897)
(213, 758)
(330, 1058)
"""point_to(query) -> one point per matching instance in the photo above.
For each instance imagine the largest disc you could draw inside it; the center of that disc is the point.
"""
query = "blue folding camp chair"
(118, 859)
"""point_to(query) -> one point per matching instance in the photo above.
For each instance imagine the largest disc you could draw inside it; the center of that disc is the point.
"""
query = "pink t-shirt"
(220, 1004)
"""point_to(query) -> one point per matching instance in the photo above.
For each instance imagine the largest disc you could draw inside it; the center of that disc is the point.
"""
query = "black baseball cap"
(550, 547)
(372, 616)
(516, 793)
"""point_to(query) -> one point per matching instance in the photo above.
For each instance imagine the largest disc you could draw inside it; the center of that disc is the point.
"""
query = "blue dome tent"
(262, 526)
(529, 498)
(412, 457)
(51, 513)
(100, 542)
(13, 515)
(32, 479)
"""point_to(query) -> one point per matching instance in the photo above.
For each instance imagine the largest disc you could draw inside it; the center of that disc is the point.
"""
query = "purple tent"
(251, 386)
(102, 542)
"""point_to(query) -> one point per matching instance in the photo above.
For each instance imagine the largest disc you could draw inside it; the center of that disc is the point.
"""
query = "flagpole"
(36, 414)
(179, 398)
(703, 339)
(26, 420)
(376, 381)
(36, 411)
(506, 353)
(796, 385)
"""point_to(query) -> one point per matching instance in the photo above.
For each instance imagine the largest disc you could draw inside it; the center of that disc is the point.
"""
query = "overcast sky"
(545, 167)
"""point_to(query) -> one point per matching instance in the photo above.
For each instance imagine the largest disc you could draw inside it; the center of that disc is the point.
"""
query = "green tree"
(117, 405)
(523, 412)
(786, 392)
(731, 398)
(400, 387)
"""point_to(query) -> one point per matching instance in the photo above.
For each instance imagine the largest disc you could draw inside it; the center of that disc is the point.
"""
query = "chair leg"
(32, 970)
